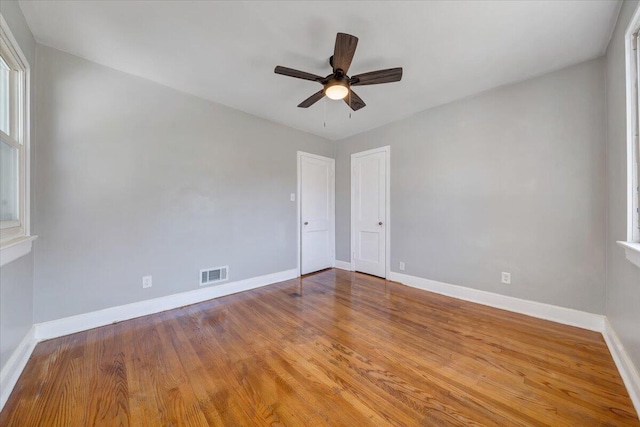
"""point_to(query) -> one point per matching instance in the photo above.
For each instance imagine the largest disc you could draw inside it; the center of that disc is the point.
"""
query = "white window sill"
(632, 251)
(14, 249)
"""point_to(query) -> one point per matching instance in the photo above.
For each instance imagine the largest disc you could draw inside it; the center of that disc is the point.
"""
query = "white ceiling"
(226, 51)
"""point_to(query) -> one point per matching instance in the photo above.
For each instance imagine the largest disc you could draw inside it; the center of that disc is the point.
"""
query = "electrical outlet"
(293, 197)
(506, 278)
(147, 282)
(401, 266)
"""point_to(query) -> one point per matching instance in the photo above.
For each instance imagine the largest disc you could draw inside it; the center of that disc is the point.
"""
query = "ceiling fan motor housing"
(341, 80)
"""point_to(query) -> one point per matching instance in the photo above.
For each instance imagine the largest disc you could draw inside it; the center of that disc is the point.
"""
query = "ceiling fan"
(337, 85)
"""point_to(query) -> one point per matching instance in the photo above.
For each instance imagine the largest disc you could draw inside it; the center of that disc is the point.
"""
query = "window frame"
(19, 134)
(631, 245)
(633, 130)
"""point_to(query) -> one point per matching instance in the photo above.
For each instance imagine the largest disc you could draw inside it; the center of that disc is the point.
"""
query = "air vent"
(214, 275)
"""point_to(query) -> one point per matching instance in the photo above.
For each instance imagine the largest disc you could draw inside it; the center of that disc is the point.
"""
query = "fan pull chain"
(349, 104)
(324, 105)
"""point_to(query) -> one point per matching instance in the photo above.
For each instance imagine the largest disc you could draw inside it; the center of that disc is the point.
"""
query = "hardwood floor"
(334, 348)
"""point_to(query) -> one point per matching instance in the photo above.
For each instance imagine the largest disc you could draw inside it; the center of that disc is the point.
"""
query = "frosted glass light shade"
(337, 91)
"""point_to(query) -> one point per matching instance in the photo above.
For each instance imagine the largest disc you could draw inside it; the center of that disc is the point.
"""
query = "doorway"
(316, 219)
(370, 216)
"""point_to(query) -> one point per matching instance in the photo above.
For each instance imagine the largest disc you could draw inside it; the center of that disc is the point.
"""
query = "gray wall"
(510, 180)
(136, 179)
(623, 278)
(16, 304)
(16, 278)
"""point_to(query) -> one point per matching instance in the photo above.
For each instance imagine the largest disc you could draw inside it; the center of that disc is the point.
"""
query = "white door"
(369, 211)
(317, 213)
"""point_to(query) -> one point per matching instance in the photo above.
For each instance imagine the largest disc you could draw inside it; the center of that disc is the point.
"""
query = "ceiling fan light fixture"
(336, 89)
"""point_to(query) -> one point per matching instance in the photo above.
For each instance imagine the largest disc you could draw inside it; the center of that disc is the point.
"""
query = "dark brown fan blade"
(343, 52)
(297, 74)
(354, 101)
(377, 77)
(312, 99)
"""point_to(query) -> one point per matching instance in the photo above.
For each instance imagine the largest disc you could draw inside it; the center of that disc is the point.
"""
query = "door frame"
(386, 149)
(332, 232)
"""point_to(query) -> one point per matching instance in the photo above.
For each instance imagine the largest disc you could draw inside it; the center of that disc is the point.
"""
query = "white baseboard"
(624, 364)
(14, 366)
(342, 265)
(94, 319)
(82, 322)
(56, 328)
(566, 316)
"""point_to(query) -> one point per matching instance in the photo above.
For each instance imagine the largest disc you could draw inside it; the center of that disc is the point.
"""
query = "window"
(14, 119)
(632, 53)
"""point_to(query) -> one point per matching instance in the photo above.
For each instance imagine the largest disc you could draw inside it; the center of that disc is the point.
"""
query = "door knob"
(380, 223)
(306, 223)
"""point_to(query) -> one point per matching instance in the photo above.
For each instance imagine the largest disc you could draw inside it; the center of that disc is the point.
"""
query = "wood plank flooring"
(334, 348)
